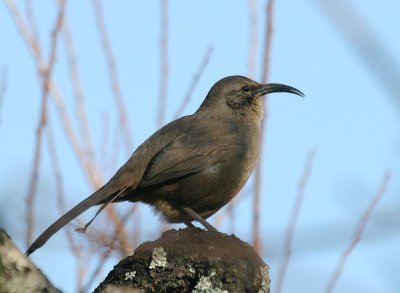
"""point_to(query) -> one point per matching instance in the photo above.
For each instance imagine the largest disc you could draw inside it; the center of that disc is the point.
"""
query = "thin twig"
(253, 37)
(258, 173)
(76, 250)
(367, 43)
(221, 217)
(195, 80)
(294, 216)
(105, 138)
(25, 33)
(359, 231)
(34, 48)
(164, 66)
(75, 80)
(227, 211)
(73, 246)
(88, 166)
(113, 76)
(31, 19)
(268, 40)
(107, 253)
(91, 171)
(45, 74)
(115, 146)
(3, 87)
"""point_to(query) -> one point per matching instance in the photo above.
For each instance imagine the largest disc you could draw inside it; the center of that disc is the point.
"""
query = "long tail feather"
(96, 198)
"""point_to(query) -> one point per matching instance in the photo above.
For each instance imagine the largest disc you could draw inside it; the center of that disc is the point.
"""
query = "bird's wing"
(192, 151)
(131, 173)
(128, 176)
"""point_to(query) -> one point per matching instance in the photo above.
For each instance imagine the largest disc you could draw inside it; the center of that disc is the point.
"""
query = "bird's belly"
(204, 192)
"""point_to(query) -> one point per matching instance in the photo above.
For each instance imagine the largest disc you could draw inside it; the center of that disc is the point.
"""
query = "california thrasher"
(193, 166)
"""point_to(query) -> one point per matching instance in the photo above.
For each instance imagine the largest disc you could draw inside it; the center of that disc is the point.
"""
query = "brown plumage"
(193, 166)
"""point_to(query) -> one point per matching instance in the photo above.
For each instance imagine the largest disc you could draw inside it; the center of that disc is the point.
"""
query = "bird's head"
(241, 94)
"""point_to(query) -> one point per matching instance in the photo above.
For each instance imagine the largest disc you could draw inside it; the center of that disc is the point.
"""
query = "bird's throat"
(258, 107)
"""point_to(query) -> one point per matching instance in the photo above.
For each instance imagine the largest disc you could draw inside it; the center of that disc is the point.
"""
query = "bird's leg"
(83, 229)
(189, 224)
(196, 217)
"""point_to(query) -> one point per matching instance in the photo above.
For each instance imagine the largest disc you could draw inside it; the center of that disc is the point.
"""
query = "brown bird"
(193, 166)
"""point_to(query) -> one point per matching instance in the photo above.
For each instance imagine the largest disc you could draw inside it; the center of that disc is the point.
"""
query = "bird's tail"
(100, 196)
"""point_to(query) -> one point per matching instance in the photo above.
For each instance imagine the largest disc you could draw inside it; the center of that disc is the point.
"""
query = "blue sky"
(349, 116)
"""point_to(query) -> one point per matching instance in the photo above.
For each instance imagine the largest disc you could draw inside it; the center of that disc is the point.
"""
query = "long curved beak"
(277, 88)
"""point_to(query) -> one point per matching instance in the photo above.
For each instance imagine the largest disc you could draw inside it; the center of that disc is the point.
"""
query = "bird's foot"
(81, 230)
(198, 218)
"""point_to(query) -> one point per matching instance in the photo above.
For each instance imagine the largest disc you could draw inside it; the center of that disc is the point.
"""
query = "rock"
(190, 260)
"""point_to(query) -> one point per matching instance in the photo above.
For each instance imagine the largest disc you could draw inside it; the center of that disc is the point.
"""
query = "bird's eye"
(245, 89)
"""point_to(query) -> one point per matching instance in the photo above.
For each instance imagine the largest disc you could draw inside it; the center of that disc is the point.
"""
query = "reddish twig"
(88, 166)
(45, 74)
(253, 38)
(230, 212)
(268, 40)
(25, 33)
(164, 68)
(258, 172)
(359, 231)
(35, 50)
(107, 253)
(121, 108)
(3, 86)
(80, 106)
(194, 82)
(105, 137)
(91, 171)
(367, 43)
(294, 216)
(87, 161)
(76, 249)
(226, 213)
(113, 75)
(31, 19)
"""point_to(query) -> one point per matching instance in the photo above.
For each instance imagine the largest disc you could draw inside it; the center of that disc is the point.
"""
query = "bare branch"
(258, 172)
(25, 33)
(32, 44)
(50, 87)
(294, 216)
(253, 38)
(164, 69)
(74, 247)
(113, 75)
(228, 212)
(31, 19)
(88, 165)
(80, 106)
(45, 74)
(3, 86)
(35, 50)
(367, 44)
(105, 138)
(107, 253)
(268, 41)
(194, 82)
(358, 232)
(76, 250)
(90, 170)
